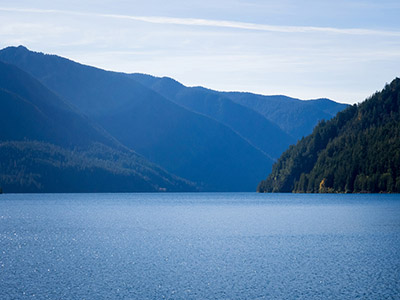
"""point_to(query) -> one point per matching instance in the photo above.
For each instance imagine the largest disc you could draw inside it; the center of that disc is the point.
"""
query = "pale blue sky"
(343, 50)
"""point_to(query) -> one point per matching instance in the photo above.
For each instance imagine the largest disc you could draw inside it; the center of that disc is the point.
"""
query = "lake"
(199, 246)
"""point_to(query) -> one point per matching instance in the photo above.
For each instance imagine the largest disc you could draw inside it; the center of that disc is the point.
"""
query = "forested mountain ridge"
(205, 136)
(32, 166)
(187, 144)
(46, 145)
(357, 151)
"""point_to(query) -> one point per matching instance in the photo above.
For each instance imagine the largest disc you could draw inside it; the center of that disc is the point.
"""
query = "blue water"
(199, 246)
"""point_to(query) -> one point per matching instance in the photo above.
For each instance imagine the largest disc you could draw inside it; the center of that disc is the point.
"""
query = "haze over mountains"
(46, 145)
(249, 124)
(296, 117)
(215, 141)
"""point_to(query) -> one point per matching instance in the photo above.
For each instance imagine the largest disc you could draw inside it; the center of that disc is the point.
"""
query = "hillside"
(357, 151)
(30, 111)
(47, 146)
(31, 166)
(296, 117)
(246, 122)
(185, 143)
(280, 120)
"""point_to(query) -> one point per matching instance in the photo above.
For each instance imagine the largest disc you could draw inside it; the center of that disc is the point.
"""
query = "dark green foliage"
(357, 151)
(33, 166)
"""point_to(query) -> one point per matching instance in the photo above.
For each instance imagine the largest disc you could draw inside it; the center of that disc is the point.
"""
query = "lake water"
(199, 246)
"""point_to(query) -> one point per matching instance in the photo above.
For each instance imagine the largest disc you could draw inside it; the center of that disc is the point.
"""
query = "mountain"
(185, 143)
(244, 121)
(280, 120)
(31, 111)
(32, 166)
(296, 117)
(357, 151)
(47, 146)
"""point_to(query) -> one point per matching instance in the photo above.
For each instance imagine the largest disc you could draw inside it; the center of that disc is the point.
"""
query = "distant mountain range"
(294, 116)
(249, 124)
(147, 128)
(47, 145)
(357, 151)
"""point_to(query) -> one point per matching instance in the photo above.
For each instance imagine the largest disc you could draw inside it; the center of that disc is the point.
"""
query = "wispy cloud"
(213, 23)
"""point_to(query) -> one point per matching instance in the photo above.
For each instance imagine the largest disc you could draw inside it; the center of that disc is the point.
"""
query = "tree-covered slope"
(185, 143)
(357, 151)
(47, 146)
(32, 166)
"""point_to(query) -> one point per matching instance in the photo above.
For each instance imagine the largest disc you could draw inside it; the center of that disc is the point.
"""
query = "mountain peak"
(16, 48)
(21, 47)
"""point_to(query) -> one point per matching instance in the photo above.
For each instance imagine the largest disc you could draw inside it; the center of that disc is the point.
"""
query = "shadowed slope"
(47, 146)
(185, 143)
(296, 117)
(250, 125)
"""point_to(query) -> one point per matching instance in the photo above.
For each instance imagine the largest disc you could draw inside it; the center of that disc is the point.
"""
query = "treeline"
(32, 166)
(357, 151)
(46, 145)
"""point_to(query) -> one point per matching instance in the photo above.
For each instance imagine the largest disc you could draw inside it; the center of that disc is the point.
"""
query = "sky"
(344, 50)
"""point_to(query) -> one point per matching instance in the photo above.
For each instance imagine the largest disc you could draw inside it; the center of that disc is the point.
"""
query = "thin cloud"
(215, 23)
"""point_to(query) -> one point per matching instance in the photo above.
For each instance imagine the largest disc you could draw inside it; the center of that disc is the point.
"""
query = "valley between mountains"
(68, 127)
